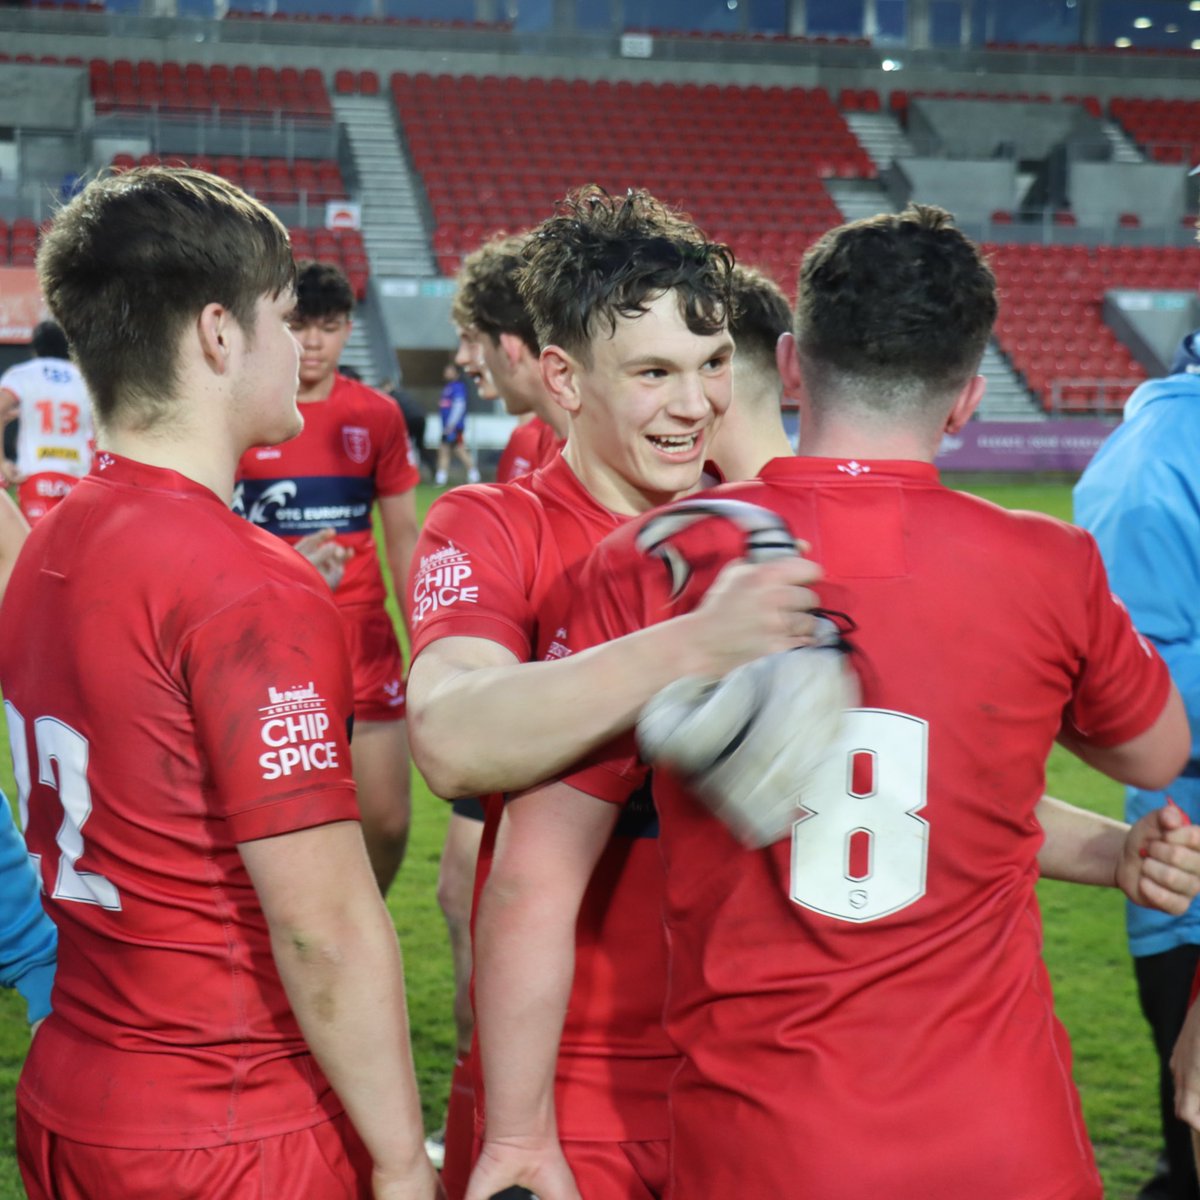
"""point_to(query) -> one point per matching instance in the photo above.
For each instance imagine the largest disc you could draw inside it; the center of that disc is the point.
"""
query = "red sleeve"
(395, 470)
(471, 571)
(272, 710)
(1123, 686)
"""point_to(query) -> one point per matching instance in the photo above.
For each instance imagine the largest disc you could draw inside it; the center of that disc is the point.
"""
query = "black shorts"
(470, 807)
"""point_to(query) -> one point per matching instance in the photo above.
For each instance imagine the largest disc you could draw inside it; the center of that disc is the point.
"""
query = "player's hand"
(9, 470)
(1160, 865)
(326, 555)
(1185, 1068)
(416, 1182)
(535, 1164)
(754, 609)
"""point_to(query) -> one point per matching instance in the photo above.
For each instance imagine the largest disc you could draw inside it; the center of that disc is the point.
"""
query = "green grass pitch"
(1085, 947)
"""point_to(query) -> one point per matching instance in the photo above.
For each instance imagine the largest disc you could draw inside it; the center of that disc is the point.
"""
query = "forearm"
(345, 982)
(531, 721)
(13, 531)
(524, 964)
(1080, 846)
(400, 555)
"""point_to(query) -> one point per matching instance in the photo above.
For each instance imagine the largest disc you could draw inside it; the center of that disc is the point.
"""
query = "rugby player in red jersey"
(632, 303)
(861, 1007)
(352, 457)
(489, 310)
(229, 1017)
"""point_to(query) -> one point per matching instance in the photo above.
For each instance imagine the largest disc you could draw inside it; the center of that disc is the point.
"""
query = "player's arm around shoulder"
(336, 951)
(531, 721)
(547, 846)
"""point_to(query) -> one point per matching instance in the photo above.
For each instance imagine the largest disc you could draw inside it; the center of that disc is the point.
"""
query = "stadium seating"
(191, 88)
(343, 247)
(1168, 131)
(494, 153)
(272, 180)
(1051, 325)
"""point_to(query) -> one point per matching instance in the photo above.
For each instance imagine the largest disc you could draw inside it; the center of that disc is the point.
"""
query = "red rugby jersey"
(496, 563)
(863, 1007)
(353, 448)
(161, 711)
(531, 445)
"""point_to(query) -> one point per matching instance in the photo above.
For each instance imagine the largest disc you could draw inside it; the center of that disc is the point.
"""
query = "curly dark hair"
(602, 257)
(487, 298)
(900, 301)
(321, 291)
(760, 314)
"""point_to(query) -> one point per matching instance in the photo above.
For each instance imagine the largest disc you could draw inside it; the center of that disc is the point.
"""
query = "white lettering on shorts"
(294, 725)
(441, 581)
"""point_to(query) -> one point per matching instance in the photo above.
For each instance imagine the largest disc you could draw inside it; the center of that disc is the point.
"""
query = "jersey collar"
(849, 469)
(128, 472)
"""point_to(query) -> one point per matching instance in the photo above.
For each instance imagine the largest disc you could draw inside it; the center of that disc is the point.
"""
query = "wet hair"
(321, 291)
(761, 314)
(49, 341)
(601, 257)
(488, 299)
(894, 310)
(135, 257)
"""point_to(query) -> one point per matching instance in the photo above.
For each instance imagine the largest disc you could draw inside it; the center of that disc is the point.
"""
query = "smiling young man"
(229, 1017)
(861, 1007)
(630, 304)
(353, 456)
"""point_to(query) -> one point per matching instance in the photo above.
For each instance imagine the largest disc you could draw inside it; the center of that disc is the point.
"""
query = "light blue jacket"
(1140, 498)
(28, 939)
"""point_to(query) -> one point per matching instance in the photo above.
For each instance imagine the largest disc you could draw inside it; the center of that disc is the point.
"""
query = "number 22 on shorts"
(862, 851)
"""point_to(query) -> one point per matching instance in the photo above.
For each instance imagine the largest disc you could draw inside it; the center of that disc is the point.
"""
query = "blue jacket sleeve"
(28, 939)
(1149, 537)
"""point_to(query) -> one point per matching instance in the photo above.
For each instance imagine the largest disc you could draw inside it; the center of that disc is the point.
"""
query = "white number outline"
(820, 879)
(57, 742)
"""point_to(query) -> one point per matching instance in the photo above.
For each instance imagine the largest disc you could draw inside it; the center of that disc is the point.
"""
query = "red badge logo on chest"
(357, 442)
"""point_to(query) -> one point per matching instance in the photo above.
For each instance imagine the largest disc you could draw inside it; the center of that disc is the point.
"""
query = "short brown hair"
(488, 298)
(136, 256)
(602, 257)
(897, 307)
(761, 314)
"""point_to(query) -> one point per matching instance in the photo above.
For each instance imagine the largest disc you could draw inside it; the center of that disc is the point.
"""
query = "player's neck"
(745, 454)
(610, 490)
(195, 453)
(827, 439)
(311, 393)
(544, 407)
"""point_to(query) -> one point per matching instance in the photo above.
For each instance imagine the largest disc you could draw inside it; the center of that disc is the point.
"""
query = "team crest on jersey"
(357, 442)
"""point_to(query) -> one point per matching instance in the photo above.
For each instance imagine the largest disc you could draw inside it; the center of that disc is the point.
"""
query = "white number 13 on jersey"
(861, 853)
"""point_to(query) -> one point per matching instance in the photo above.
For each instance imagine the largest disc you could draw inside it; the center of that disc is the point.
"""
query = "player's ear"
(966, 403)
(787, 359)
(214, 330)
(560, 378)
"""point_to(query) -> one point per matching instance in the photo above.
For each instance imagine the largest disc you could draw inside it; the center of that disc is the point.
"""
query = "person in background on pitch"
(318, 491)
(861, 1006)
(228, 977)
(48, 398)
(452, 408)
(1138, 499)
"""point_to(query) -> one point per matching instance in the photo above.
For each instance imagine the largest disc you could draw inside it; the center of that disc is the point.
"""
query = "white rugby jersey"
(56, 417)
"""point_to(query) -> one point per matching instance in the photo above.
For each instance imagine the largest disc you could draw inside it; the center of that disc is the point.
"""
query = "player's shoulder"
(353, 393)
(514, 505)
